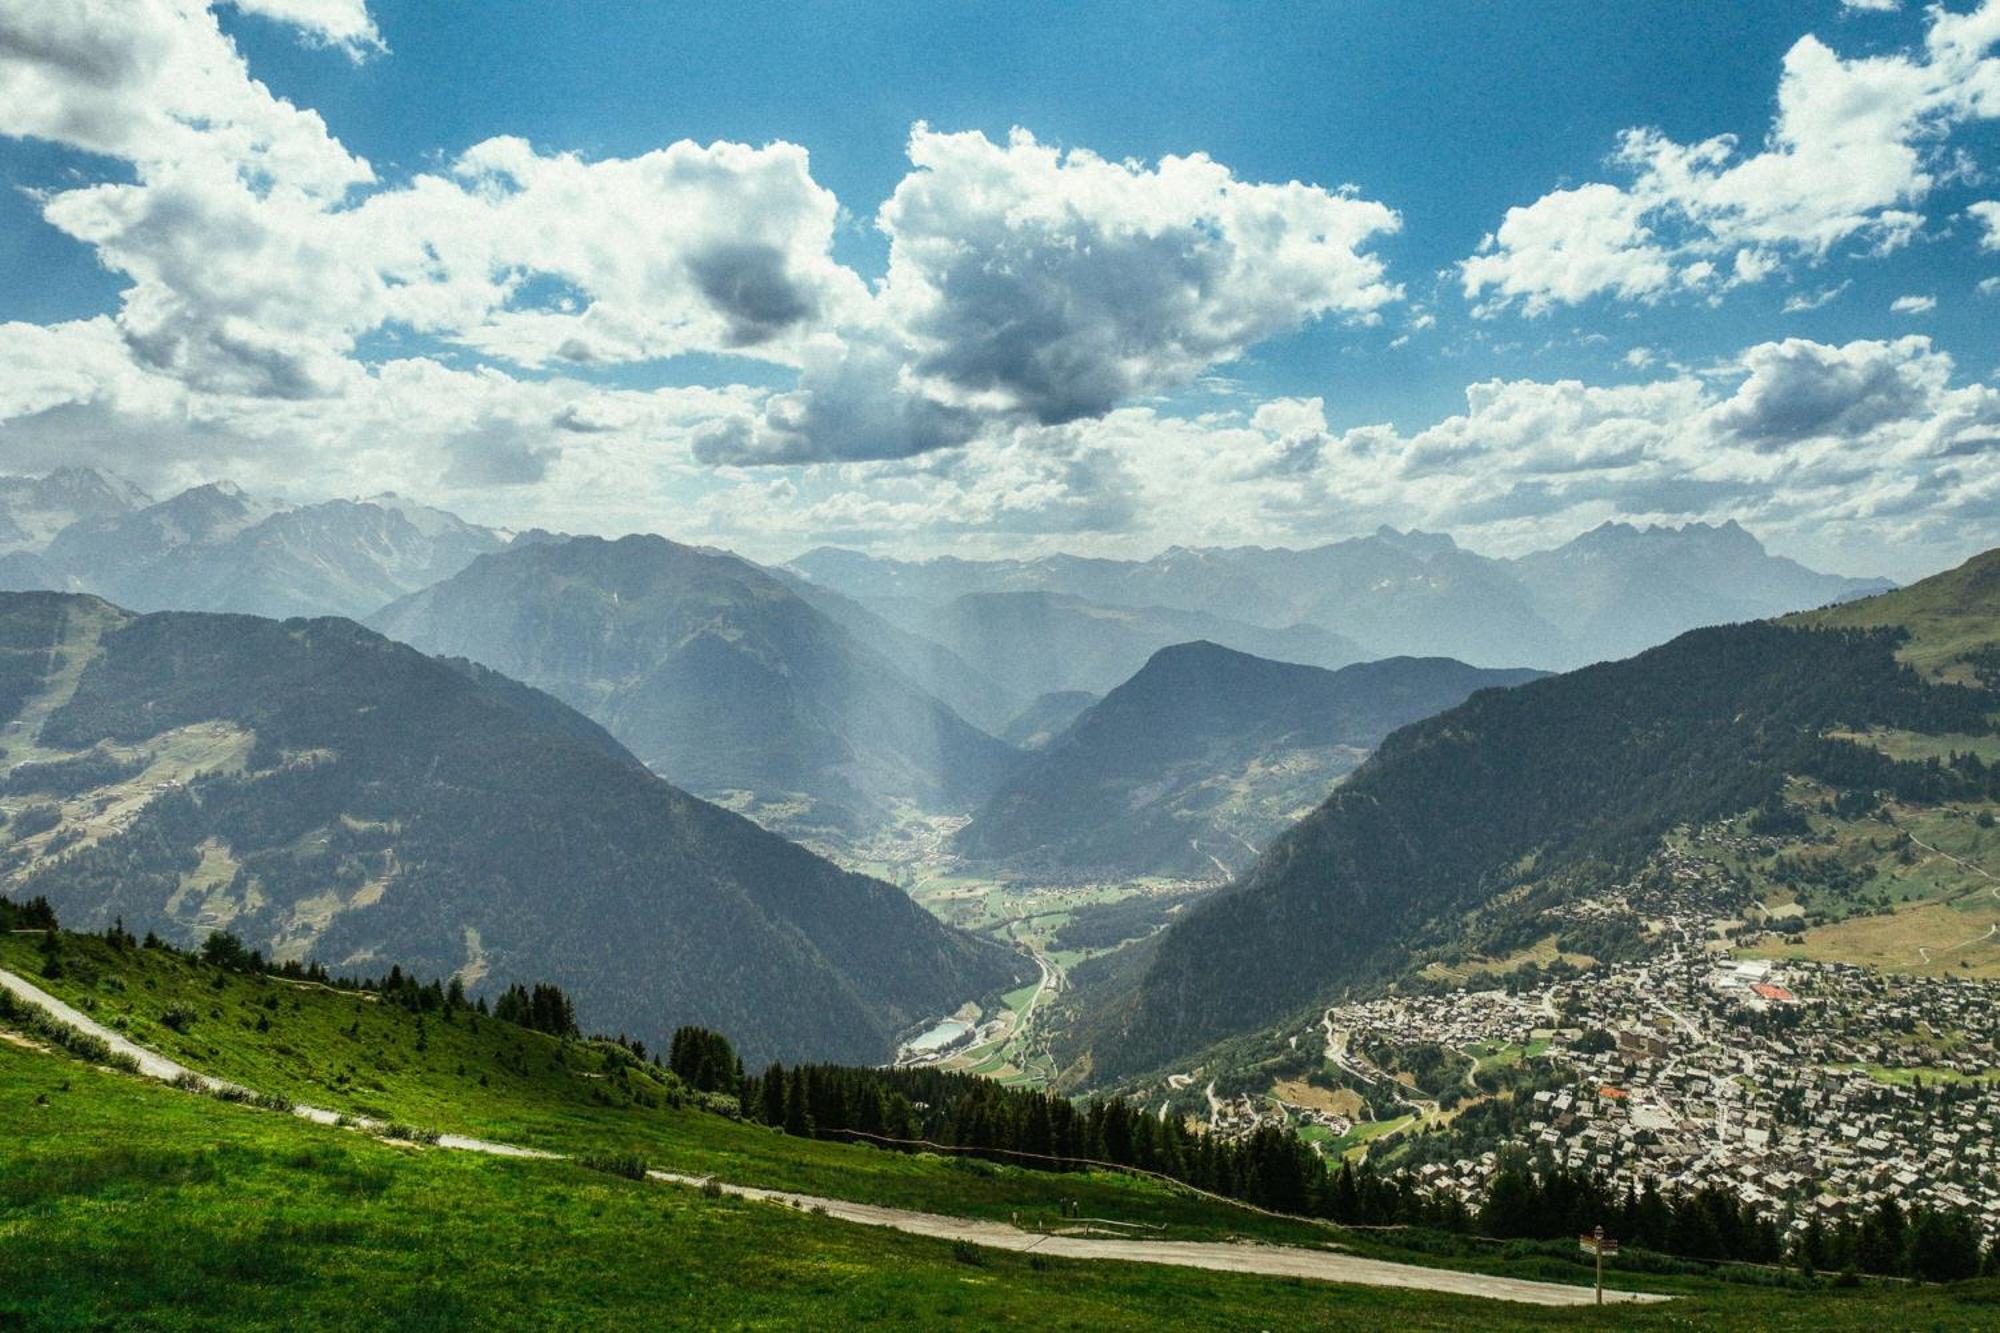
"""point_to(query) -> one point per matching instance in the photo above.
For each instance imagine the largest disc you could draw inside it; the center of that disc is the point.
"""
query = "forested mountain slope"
(323, 791)
(713, 672)
(1191, 766)
(1524, 794)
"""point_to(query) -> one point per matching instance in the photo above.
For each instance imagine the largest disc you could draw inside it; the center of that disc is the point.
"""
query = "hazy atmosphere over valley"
(939, 663)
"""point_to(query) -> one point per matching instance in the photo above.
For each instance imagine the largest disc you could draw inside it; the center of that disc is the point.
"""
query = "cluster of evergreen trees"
(1712, 1223)
(35, 914)
(705, 1061)
(915, 1108)
(1866, 771)
(545, 1008)
(1709, 1223)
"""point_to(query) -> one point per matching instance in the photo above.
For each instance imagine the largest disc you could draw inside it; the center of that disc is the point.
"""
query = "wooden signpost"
(1600, 1245)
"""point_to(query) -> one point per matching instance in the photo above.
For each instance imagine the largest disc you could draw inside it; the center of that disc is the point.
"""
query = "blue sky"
(1645, 396)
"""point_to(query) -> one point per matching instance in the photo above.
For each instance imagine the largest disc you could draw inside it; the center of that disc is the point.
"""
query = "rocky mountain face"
(715, 673)
(322, 791)
(34, 509)
(1191, 767)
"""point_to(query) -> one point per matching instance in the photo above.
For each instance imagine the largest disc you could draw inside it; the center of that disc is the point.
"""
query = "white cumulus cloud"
(1848, 159)
(338, 23)
(1987, 215)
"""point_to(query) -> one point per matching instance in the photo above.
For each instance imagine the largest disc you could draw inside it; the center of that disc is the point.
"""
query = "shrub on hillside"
(631, 1166)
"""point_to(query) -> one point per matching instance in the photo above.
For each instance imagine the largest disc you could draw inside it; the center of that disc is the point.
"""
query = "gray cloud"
(1049, 287)
(1799, 390)
(499, 453)
(751, 284)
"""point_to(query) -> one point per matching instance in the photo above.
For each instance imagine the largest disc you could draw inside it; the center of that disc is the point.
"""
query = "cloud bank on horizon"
(1041, 358)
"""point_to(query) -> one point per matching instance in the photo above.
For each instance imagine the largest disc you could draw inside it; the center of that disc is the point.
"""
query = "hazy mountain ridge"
(217, 548)
(1039, 642)
(1190, 767)
(970, 692)
(322, 790)
(713, 671)
(1605, 594)
(1623, 589)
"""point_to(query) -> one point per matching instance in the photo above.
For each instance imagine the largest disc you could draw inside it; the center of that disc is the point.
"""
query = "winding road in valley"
(1215, 1256)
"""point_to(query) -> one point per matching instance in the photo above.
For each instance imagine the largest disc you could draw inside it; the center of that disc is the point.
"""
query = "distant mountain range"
(714, 672)
(1461, 829)
(1618, 590)
(321, 790)
(829, 697)
(216, 548)
(1191, 766)
(1037, 643)
(34, 509)
(1609, 593)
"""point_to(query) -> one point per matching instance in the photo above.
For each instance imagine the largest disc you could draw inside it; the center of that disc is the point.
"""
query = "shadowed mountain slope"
(1196, 762)
(325, 792)
(714, 673)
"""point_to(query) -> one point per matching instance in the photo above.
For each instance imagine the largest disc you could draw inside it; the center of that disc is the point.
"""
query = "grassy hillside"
(142, 1203)
(487, 1079)
(1951, 619)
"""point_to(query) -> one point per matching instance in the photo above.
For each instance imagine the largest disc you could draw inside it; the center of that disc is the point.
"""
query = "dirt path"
(1957, 861)
(1264, 1260)
(1924, 958)
(150, 1064)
